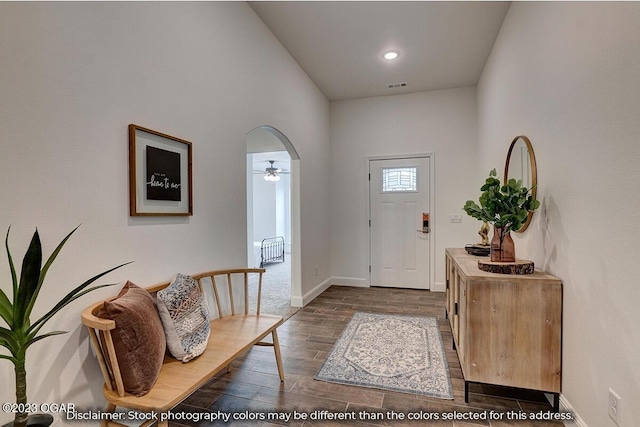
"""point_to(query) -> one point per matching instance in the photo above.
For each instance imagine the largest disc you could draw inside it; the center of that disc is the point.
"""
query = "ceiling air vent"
(396, 85)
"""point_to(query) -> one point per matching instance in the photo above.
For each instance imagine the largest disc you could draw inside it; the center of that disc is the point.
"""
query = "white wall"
(283, 209)
(73, 76)
(264, 208)
(441, 122)
(567, 76)
(271, 213)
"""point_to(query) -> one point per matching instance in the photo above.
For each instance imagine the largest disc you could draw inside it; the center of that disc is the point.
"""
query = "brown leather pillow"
(138, 338)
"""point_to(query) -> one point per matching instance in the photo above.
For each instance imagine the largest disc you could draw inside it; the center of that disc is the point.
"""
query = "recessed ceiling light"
(390, 55)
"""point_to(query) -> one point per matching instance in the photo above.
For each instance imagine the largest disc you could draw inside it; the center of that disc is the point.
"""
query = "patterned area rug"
(390, 352)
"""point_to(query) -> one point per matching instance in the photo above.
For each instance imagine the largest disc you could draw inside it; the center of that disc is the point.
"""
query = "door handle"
(423, 231)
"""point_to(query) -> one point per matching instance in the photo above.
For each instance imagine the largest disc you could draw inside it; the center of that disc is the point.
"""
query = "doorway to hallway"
(271, 230)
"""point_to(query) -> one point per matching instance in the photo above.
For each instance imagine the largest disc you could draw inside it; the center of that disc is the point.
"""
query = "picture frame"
(160, 174)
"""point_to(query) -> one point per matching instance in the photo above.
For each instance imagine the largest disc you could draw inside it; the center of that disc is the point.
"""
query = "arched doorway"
(273, 211)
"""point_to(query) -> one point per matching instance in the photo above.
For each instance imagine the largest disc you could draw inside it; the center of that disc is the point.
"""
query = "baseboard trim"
(565, 406)
(360, 282)
(297, 301)
(357, 282)
(311, 295)
(439, 287)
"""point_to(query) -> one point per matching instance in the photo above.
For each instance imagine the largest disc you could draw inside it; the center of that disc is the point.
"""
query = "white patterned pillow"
(185, 317)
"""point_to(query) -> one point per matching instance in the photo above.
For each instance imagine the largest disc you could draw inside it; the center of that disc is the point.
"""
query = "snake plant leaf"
(43, 272)
(6, 308)
(14, 277)
(41, 337)
(11, 358)
(29, 278)
(9, 340)
(69, 298)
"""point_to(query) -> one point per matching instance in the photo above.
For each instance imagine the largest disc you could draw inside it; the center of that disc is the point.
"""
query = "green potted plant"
(506, 208)
(20, 332)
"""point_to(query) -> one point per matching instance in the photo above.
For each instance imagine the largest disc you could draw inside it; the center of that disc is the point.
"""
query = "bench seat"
(232, 334)
(230, 338)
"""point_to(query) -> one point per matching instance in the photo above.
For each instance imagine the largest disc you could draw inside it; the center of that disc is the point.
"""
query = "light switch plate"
(455, 218)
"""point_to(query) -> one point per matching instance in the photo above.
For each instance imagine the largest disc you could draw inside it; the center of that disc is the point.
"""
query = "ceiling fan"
(272, 173)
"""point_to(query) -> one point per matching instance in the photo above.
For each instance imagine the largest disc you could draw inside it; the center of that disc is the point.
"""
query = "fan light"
(271, 174)
(390, 55)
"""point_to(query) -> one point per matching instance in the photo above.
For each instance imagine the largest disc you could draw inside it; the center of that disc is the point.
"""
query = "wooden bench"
(232, 334)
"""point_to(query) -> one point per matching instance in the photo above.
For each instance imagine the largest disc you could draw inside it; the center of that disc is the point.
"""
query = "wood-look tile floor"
(252, 387)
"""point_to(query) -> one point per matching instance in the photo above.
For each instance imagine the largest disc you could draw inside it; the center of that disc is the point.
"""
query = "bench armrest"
(91, 320)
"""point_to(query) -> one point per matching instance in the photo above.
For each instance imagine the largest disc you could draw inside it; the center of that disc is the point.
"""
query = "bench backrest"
(228, 288)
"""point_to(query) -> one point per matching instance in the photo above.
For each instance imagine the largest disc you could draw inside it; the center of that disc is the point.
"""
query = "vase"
(502, 247)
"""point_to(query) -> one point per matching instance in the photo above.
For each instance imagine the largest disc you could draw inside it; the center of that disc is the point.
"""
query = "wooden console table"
(507, 329)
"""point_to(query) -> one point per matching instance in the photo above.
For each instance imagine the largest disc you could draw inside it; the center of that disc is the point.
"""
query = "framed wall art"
(160, 177)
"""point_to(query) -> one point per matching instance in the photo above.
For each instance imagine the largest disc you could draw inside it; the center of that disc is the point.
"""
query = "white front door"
(398, 201)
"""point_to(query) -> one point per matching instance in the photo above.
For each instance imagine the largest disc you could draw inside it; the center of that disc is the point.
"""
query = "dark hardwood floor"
(253, 387)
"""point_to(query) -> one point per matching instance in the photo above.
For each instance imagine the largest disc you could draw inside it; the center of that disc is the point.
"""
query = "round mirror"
(521, 165)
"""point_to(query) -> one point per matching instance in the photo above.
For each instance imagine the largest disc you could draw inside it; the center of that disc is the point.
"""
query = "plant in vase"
(20, 332)
(505, 207)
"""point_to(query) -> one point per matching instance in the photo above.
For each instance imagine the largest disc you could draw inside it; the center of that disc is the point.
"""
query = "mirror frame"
(534, 173)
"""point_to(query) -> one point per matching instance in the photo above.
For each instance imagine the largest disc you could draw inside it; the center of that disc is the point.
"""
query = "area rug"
(390, 352)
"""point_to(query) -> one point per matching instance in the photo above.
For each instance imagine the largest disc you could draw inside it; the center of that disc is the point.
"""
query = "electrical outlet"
(455, 218)
(614, 407)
